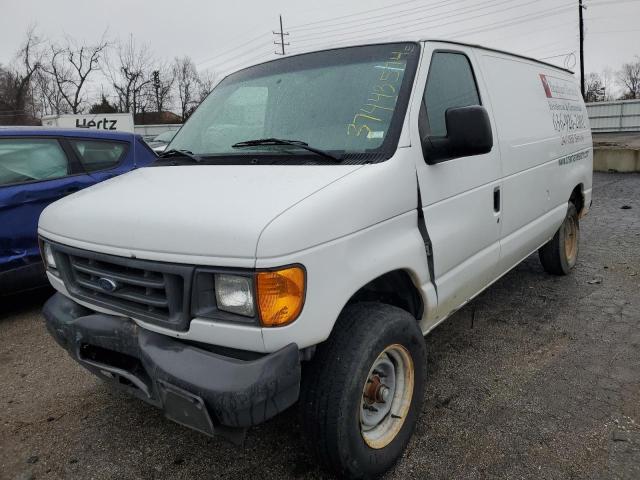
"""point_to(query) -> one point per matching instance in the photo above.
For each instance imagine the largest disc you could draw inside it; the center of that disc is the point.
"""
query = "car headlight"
(234, 294)
(270, 298)
(47, 254)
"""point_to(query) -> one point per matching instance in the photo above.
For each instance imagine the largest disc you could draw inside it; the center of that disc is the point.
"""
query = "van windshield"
(348, 102)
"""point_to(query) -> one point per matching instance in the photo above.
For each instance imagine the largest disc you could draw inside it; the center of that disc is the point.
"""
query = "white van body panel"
(350, 224)
(375, 194)
(546, 146)
(215, 215)
(338, 269)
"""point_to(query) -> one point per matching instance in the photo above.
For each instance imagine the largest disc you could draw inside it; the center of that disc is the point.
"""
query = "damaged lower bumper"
(207, 391)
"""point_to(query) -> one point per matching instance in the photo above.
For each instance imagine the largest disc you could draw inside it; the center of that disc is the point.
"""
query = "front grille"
(138, 290)
(155, 292)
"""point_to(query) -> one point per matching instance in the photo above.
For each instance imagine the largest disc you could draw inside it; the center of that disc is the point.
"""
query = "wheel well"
(393, 288)
(577, 198)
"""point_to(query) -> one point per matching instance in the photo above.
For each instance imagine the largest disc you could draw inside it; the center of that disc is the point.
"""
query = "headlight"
(47, 253)
(234, 294)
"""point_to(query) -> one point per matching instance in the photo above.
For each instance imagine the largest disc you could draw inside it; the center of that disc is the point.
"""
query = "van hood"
(204, 212)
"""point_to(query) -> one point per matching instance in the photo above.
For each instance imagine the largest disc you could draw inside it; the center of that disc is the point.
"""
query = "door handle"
(496, 200)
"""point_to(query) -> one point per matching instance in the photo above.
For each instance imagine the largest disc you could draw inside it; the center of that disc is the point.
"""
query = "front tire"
(560, 255)
(364, 389)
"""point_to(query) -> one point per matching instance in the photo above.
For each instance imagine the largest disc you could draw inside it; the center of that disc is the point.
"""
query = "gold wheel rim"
(571, 240)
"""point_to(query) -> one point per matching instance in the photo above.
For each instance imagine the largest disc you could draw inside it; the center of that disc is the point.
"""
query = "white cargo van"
(327, 210)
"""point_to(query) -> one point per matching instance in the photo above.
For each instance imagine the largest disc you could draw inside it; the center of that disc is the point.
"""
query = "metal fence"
(620, 116)
(153, 130)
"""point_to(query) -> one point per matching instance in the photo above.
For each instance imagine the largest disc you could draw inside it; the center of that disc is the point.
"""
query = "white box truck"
(328, 210)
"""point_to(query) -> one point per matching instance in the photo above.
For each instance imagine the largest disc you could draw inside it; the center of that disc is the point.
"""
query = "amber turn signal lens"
(280, 295)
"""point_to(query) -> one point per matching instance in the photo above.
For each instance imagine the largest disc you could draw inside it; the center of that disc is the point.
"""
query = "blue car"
(41, 165)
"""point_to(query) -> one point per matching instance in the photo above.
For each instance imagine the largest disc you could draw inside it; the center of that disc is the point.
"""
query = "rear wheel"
(560, 254)
(364, 389)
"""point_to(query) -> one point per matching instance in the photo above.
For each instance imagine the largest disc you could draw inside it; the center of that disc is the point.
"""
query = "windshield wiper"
(181, 153)
(279, 141)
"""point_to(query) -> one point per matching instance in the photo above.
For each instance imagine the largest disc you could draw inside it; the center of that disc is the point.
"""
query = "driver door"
(461, 197)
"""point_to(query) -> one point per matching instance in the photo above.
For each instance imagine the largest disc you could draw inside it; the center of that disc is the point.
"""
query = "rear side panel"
(545, 140)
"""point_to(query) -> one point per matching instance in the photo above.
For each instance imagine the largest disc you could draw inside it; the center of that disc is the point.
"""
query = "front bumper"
(206, 391)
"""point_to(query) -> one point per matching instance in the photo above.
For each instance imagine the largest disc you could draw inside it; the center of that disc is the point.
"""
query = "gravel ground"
(537, 378)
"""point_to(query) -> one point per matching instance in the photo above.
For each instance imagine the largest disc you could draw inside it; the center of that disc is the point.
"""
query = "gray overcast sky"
(220, 35)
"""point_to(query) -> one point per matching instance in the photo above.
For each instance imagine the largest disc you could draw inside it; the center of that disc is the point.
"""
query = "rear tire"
(363, 391)
(559, 256)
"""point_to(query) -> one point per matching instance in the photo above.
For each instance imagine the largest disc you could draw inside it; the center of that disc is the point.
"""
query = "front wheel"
(560, 254)
(363, 392)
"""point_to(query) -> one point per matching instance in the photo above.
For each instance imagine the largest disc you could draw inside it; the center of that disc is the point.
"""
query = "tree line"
(601, 87)
(53, 78)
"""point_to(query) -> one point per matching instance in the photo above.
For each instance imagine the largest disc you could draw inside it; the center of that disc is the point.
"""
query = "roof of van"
(399, 39)
(497, 50)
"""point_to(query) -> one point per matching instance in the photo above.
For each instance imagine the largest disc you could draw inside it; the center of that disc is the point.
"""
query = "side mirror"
(468, 133)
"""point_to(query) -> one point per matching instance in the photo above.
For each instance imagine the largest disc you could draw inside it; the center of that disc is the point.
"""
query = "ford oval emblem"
(107, 284)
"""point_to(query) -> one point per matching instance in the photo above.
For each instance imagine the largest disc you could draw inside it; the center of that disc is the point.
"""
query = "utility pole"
(281, 34)
(581, 9)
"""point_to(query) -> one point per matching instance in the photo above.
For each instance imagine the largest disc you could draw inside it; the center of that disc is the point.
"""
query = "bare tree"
(206, 82)
(131, 75)
(629, 78)
(595, 90)
(47, 94)
(16, 81)
(70, 65)
(186, 78)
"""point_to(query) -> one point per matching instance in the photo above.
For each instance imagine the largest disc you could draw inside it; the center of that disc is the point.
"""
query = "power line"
(244, 61)
(598, 3)
(354, 14)
(260, 37)
(384, 17)
(430, 19)
(464, 33)
(614, 31)
(545, 46)
(317, 39)
(515, 21)
(535, 31)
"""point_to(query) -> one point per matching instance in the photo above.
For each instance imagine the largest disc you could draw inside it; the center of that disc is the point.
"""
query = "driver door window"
(451, 84)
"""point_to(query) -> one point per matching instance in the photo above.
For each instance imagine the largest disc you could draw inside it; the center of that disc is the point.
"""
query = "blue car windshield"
(349, 102)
